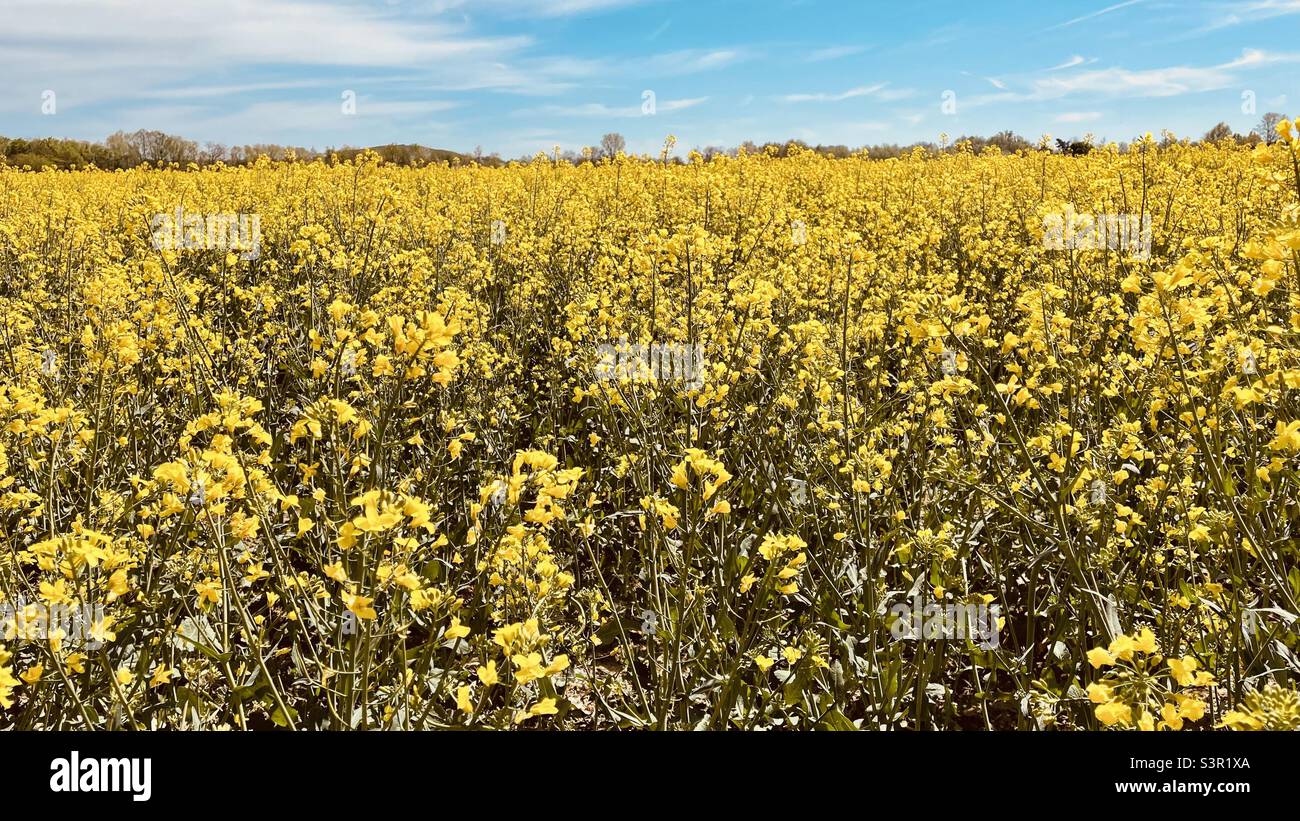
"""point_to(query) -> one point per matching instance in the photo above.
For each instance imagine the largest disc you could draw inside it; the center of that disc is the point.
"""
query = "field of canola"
(374, 474)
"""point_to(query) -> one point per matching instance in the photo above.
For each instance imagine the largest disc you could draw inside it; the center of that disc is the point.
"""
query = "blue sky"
(518, 76)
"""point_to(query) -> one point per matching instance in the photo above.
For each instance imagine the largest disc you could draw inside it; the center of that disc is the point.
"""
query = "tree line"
(127, 150)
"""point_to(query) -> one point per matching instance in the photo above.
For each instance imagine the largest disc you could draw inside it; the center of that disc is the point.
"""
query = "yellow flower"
(162, 675)
(1100, 693)
(1098, 657)
(336, 572)
(528, 667)
(7, 681)
(1183, 670)
(558, 664)
(1192, 709)
(1122, 648)
(209, 592)
(1114, 712)
(1288, 437)
(1170, 717)
(360, 606)
(456, 630)
(1146, 641)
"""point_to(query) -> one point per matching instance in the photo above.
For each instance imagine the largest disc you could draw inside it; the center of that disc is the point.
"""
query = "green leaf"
(836, 721)
(278, 716)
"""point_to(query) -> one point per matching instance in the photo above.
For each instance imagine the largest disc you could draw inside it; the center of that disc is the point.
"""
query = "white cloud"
(1110, 83)
(84, 35)
(1156, 82)
(94, 51)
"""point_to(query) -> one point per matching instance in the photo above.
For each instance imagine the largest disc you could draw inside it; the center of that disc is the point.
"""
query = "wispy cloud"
(1241, 13)
(533, 8)
(82, 34)
(660, 29)
(879, 91)
(1115, 82)
(690, 61)
(834, 53)
(1076, 60)
(1095, 14)
(201, 92)
(602, 111)
(993, 81)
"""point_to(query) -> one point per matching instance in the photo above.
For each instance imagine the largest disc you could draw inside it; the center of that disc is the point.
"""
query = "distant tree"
(1220, 132)
(1078, 148)
(837, 152)
(612, 143)
(212, 153)
(1267, 128)
(121, 151)
(1009, 142)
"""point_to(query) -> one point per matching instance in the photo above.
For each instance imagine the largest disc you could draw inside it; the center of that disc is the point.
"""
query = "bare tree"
(1267, 128)
(612, 143)
(212, 152)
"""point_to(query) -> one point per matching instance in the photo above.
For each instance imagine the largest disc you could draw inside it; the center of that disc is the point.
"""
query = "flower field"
(373, 470)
